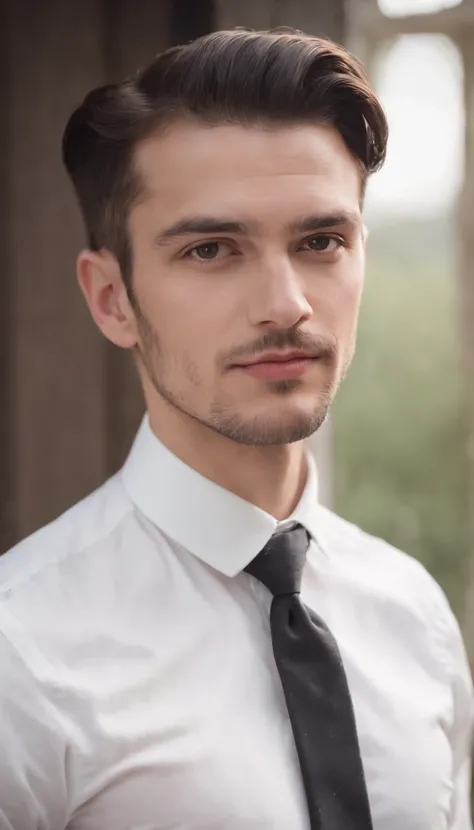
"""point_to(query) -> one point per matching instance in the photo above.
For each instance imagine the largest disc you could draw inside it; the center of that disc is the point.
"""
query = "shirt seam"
(442, 633)
(23, 578)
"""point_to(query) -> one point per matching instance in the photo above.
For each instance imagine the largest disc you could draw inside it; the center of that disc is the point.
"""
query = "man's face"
(248, 248)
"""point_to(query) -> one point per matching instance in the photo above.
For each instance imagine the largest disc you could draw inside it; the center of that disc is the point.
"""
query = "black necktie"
(316, 691)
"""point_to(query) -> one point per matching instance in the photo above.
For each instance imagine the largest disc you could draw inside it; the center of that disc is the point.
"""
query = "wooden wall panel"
(7, 466)
(56, 359)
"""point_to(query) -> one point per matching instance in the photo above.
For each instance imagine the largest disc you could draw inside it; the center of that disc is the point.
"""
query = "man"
(198, 644)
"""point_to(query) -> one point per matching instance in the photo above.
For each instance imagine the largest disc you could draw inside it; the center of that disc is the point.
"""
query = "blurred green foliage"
(399, 421)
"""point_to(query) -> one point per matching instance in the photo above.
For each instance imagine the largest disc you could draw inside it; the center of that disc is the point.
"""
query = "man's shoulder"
(79, 528)
(380, 567)
(404, 597)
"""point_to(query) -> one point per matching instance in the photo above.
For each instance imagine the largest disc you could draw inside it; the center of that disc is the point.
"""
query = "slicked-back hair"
(280, 77)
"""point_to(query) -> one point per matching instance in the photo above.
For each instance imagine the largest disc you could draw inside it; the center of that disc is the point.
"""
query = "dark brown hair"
(238, 77)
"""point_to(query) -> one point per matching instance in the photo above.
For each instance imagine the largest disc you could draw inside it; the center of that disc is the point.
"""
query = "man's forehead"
(187, 151)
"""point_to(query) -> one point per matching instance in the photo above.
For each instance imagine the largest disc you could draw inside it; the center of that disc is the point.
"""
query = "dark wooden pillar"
(7, 465)
(53, 367)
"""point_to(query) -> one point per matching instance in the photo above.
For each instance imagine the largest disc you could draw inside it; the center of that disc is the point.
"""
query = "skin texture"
(289, 277)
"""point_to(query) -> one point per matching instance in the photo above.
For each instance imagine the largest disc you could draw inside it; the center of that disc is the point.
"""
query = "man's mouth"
(279, 365)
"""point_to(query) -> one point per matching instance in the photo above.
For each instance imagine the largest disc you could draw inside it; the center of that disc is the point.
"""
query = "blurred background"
(397, 457)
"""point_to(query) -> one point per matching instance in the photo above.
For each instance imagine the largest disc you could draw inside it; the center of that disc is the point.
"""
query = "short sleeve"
(33, 751)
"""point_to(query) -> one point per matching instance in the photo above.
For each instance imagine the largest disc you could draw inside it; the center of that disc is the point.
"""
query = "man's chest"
(196, 735)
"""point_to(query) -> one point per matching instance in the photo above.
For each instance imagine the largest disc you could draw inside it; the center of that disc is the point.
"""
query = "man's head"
(221, 189)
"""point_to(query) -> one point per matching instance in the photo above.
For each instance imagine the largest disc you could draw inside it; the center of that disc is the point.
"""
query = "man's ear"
(100, 280)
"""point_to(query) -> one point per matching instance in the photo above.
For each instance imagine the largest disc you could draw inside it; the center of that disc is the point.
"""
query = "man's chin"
(281, 426)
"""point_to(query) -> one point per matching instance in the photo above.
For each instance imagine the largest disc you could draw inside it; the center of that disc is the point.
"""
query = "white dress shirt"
(138, 686)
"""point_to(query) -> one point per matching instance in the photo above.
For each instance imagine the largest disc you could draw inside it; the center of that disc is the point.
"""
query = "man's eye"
(208, 251)
(323, 244)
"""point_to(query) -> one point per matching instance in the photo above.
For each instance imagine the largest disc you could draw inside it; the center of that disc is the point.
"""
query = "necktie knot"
(279, 565)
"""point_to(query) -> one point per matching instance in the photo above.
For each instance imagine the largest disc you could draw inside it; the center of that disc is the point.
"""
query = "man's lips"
(278, 365)
(277, 357)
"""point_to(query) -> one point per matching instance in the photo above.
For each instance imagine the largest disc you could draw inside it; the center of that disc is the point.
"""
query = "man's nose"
(279, 298)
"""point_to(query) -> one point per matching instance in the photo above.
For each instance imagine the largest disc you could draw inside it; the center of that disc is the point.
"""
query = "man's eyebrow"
(319, 222)
(197, 225)
(193, 225)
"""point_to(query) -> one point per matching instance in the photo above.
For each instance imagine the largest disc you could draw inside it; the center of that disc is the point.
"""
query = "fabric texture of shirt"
(138, 685)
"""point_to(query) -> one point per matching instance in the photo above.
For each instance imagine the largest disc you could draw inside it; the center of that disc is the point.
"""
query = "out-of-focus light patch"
(420, 83)
(400, 8)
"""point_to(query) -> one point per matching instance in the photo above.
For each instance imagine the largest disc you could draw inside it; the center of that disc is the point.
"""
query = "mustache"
(317, 345)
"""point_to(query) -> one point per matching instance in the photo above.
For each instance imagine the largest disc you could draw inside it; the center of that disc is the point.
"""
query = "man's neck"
(271, 477)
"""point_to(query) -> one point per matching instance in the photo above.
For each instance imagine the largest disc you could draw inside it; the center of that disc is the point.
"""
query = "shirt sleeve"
(461, 731)
(33, 750)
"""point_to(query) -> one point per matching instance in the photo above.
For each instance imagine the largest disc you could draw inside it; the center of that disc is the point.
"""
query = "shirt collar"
(218, 527)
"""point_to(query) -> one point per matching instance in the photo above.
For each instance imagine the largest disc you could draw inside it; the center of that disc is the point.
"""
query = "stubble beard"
(266, 431)
(223, 418)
